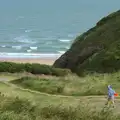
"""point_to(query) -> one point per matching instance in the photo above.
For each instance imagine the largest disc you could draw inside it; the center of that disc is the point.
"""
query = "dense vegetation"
(22, 109)
(21, 99)
(97, 50)
(71, 85)
(32, 68)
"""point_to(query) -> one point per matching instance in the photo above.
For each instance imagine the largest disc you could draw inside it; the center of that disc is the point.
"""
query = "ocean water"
(46, 28)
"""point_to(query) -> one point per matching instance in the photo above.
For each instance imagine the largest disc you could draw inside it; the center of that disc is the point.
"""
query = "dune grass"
(16, 104)
(72, 85)
(21, 109)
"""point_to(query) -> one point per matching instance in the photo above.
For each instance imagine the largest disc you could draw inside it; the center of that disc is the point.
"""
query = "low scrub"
(51, 86)
(32, 68)
(19, 109)
(71, 85)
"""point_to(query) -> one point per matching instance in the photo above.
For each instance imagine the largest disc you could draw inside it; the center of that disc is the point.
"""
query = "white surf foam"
(29, 55)
(27, 31)
(33, 48)
(29, 50)
(62, 52)
(49, 42)
(24, 39)
(67, 47)
(17, 47)
(64, 40)
(3, 46)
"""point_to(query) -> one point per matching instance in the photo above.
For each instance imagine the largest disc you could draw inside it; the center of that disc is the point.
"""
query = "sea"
(47, 28)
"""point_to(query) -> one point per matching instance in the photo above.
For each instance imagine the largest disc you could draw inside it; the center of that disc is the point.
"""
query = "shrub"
(28, 67)
(32, 68)
(11, 67)
(43, 69)
(60, 72)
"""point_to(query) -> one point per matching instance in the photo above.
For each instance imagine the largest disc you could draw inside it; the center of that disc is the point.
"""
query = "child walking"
(111, 98)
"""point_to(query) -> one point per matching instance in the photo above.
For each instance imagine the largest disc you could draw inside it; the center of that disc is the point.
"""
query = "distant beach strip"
(30, 55)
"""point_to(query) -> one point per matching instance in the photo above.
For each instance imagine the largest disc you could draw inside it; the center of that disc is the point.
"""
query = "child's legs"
(113, 100)
(108, 100)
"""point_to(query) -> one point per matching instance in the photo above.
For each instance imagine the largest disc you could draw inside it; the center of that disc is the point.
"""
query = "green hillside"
(97, 50)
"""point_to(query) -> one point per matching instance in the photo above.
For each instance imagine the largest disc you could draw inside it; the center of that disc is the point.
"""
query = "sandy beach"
(29, 60)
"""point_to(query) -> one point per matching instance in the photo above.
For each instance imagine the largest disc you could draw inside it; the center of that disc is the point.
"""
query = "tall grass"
(95, 84)
(22, 109)
(19, 108)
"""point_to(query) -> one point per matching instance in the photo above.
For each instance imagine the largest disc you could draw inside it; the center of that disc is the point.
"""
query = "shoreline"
(47, 61)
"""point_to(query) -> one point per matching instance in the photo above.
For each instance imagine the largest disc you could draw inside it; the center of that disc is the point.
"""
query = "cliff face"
(97, 50)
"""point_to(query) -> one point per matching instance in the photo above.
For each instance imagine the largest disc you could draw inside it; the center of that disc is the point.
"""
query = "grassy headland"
(97, 50)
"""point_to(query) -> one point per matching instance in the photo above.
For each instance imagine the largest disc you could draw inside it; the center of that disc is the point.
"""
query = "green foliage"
(97, 50)
(32, 68)
(81, 112)
(107, 60)
(108, 18)
(43, 69)
(90, 84)
(50, 86)
(11, 67)
(60, 72)
(32, 106)
(19, 109)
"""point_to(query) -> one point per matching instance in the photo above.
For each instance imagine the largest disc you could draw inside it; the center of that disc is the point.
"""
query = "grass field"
(71, 85)
(42, 105)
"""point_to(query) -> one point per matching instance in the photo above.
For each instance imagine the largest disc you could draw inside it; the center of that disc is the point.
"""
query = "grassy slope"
(52, 104)
(21, 109)
(45, 99)
(95, 84)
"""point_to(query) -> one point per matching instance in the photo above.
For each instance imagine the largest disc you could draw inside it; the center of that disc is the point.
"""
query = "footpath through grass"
(95, 84)
(17, 103)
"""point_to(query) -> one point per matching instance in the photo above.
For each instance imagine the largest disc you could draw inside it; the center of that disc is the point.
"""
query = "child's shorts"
(111, 97)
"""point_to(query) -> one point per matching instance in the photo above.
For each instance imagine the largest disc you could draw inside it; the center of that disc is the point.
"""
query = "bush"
(60, 72)
(43, 69)
(28, 67)
(32, 68)
(11, 67)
